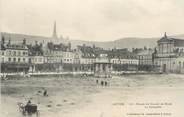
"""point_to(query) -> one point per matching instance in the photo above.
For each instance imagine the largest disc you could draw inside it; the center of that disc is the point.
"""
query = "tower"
(54, 35)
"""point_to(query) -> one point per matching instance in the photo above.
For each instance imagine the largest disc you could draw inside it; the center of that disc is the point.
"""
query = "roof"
(2, 47)
(15, 46)
(122, 54)
(165, 39)
(91, 52)
(146, 52)
(57, 47)
(178, 42)
(35, 50)
(87, 51)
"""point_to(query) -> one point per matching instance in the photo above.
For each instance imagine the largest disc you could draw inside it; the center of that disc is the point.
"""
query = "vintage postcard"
(92, 58)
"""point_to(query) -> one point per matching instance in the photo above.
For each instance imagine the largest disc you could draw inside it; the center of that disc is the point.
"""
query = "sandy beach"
(124, 96)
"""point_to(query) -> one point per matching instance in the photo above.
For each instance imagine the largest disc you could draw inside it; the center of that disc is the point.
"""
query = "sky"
(93, 20)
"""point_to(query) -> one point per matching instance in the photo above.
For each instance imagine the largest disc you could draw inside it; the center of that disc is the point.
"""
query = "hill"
(120, 43)
(131, 42)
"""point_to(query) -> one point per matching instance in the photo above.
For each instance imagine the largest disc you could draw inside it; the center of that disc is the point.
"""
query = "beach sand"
(124, 96)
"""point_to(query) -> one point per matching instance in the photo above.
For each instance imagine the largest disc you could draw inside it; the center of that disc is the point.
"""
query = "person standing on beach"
(102, 83)
(45, 93)
(96, 81)
(105, 83)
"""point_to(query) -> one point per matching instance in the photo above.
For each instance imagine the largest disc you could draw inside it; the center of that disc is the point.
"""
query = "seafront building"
(145, 60)
(14, 57)
(123, 60)
(169, 55)
(52, 55)
(103, 66)
(87, 57)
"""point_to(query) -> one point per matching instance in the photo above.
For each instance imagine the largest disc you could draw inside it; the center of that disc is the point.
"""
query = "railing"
(166, 55)
(60, 73)
(7, 62)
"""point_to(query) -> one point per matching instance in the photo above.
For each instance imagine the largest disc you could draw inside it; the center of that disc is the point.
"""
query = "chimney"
(24, 41)
(3, 40)
(165, 35)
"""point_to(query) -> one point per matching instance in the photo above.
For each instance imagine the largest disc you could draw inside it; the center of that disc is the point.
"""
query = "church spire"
(54, 31)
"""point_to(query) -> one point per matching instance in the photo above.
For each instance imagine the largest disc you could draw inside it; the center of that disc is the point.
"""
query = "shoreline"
(75, 75)
(70, 74)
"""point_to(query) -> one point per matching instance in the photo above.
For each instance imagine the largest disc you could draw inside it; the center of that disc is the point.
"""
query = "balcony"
(102, 60)
(165, 55)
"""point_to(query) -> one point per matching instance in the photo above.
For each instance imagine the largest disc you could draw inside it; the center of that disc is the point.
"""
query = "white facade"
(13, 55)
(125, 61)
(87, 60)
(37, 59)
(178, 65)
(169, 56)
(53, 56)
(68, 57)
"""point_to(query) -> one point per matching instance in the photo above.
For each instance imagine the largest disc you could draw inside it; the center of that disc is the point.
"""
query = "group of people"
(102, 83)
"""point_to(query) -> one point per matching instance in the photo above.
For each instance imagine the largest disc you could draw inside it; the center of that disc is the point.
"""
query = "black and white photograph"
(92, 58)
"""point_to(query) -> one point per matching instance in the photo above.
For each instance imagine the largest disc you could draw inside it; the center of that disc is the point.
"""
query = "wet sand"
(83, 97)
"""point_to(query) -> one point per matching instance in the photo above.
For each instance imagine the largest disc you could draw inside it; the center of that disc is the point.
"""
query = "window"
(29, 60)
(14, 53)
(103, 67)
(9, 53)
(9, 59)
(14, 59)
(24, 59)
(2, 59)
(19, 53)
(40, 60)
(18, 59)
(109, 66)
